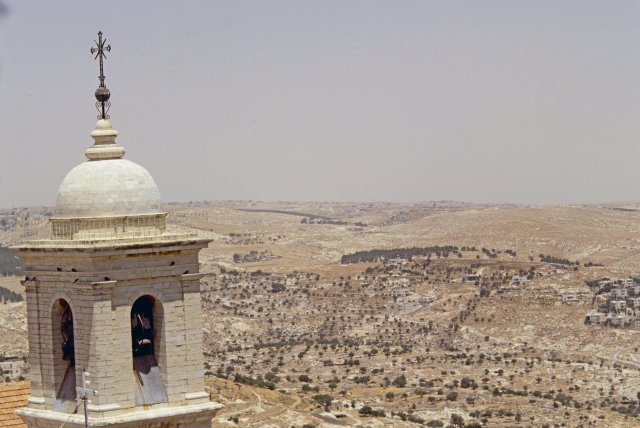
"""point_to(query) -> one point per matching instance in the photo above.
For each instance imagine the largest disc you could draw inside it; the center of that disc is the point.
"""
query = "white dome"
(108, 187)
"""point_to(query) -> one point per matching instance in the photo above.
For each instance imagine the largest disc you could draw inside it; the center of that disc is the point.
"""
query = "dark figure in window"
(66, 329)
(141, 332)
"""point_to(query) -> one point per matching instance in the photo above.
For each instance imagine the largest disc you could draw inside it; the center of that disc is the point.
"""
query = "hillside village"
(617, 303)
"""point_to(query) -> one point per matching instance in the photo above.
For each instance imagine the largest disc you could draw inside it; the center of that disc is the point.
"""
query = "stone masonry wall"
(100, 286)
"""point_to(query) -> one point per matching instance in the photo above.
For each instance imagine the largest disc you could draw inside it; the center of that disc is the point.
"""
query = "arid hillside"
(336, 314)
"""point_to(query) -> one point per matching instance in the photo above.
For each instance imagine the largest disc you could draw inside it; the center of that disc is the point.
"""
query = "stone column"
(194, 362)
(99, 351)
(35, 339)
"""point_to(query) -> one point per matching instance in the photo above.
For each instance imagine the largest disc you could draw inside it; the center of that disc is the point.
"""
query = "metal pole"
(86, 417)
(85, 382)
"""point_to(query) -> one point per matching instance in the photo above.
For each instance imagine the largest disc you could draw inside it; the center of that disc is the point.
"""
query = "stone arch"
(147, 319)
(155, 294)
(63, 354)
(148, 349)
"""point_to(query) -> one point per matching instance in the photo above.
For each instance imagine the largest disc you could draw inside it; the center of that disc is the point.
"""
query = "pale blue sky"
(480, 101)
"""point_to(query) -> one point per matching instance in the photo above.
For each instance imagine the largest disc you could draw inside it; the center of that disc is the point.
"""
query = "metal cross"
(99, 51)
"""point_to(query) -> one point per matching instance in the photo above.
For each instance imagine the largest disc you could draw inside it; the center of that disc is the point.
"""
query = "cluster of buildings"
(12, 368)
(618, 304)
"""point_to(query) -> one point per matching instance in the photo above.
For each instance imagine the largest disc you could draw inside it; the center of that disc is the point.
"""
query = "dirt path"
(627, 363)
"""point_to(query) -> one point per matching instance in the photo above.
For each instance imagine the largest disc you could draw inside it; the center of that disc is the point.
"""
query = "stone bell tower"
(112, 292)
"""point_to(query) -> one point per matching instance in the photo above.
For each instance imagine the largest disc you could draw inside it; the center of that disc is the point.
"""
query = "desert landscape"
(381, 314)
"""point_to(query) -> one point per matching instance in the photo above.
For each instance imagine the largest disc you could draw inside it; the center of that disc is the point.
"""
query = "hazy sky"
(481, 101)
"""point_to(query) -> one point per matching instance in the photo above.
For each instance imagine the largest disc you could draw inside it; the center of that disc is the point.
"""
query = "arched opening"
(147, 317)
(142, 336)
(64, 356)
(66, 331)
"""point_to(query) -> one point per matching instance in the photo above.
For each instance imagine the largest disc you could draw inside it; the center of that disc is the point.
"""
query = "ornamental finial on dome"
(102, 93)
(104, 135)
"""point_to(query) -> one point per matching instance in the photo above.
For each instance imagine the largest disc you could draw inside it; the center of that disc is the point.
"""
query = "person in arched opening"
(142, 328)
(66, 330)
